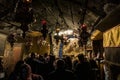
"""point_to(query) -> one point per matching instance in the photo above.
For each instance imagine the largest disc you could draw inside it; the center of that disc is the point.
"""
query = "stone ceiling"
(66, 13)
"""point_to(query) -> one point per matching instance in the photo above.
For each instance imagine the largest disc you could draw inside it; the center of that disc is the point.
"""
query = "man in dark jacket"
(60, 73)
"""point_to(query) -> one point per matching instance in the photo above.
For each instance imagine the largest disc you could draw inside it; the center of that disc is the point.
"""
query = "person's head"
(81, 57)
(18, 65)
(68, 59)
(51, 58)
(45, 55)
(25, 71)
(41, 58)
(32, 55)
(59, 64)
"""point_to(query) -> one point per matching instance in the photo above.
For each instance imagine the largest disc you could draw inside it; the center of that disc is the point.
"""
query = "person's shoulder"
(37, 77)
(69, 72)
(52, 73)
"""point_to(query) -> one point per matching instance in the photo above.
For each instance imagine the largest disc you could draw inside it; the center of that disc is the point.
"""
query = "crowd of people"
(48, 67)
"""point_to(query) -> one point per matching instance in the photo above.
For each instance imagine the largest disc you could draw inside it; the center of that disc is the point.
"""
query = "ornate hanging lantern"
(84, 27)
(43, 22)
(24, 27)
(11, 39)
(84, 35)
(24, 12)
(44, 30)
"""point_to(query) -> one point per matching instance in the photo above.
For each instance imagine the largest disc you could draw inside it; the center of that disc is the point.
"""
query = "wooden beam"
(96, 22)
(110, 20)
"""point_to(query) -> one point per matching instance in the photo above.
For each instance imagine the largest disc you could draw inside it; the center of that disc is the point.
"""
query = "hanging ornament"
(24, 27)
(24, 12)
(84, 35)
(43, 22)
(84, 27)
(44, 30)
(11, 39)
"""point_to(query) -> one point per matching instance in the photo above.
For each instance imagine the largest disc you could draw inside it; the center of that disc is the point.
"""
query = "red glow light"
(43, 22)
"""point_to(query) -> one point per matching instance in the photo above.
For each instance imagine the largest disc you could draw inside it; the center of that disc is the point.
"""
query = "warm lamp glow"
(68, 32)
(28, 1)
(57, 30)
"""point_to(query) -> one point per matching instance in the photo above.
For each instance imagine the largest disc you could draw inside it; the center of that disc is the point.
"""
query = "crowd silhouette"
(48, 67)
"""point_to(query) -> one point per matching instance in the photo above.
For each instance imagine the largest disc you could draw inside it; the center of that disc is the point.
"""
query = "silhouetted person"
(50, 62)
(26, 73)
(94, 69)
(60, 73)
(37, 66)
(41, 58)
(68, 63)
(15, 73)
(82, 69)
(31, 61)
(23, 72)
